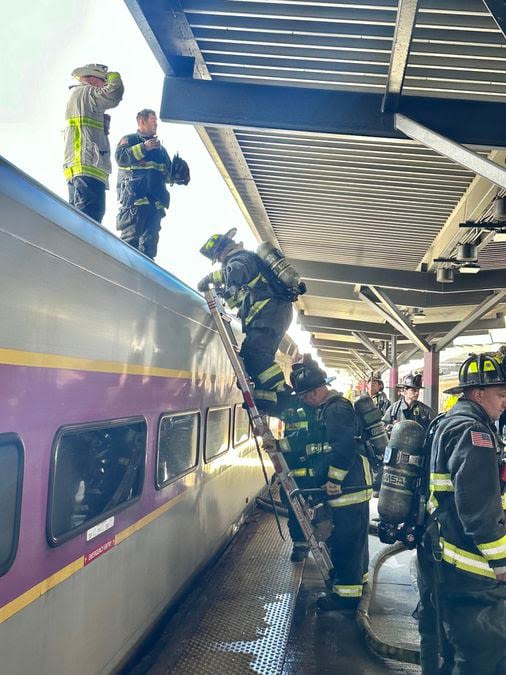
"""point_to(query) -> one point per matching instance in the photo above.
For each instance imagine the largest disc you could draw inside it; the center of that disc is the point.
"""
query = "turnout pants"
(349, 549)
(259, 349)
(88, 195)
(473, 613)
(140, 227)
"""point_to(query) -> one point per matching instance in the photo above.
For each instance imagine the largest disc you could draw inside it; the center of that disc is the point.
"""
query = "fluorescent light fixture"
(469, 268)
(500, 237)
(477, 340)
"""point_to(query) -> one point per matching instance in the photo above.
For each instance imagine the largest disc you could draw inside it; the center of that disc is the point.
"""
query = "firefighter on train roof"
(262, 287)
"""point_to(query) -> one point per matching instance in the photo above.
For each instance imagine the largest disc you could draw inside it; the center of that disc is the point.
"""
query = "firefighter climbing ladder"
(260, 429)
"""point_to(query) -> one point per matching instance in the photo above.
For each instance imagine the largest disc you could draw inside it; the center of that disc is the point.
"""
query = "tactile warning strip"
(246, 629)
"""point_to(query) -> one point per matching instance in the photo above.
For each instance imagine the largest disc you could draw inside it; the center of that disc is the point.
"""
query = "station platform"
(254, 611)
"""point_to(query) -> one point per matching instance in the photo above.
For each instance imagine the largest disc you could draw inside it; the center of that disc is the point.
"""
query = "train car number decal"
(90, 557)
(98, 529)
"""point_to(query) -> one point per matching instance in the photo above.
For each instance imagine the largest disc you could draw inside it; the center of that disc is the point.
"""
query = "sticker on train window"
(98, 529)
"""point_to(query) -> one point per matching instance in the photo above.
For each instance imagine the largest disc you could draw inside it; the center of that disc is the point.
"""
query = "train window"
(97, 469)
(11, 479)
(241, 425)
(178, 442)
(217, 432)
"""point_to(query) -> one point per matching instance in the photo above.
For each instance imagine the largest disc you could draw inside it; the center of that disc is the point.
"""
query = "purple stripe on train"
(38, 401)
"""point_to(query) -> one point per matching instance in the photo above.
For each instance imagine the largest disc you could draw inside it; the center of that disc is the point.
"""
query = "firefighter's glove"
(332, 489)
(204, 284)
(180, 171)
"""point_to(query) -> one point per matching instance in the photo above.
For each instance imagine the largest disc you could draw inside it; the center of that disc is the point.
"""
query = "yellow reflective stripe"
(464, 560)
(494, 550)
(284, 445)
(298, 473)
(138, 150)
(441, 482)
(353, 498)
(112, 76)
(432, 503)
(367, 470)
(293, 426)
(348, 591)
(146, 166)
(271, 371)
(365, 578)
(265, 395)
(84, 169)
(77, 122)
(503, 501)
(254, 281)
(217, 276)
(337, 474)
(255, 309)
(141, 201)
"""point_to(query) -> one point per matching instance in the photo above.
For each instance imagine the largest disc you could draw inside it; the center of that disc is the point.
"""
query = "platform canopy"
(358, 136)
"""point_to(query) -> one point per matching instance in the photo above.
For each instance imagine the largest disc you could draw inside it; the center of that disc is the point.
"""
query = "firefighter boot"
(300, 551)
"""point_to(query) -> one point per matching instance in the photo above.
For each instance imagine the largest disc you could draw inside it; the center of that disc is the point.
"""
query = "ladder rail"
(299, 505)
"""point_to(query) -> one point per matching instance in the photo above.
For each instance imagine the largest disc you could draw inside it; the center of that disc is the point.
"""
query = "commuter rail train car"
(126, 460)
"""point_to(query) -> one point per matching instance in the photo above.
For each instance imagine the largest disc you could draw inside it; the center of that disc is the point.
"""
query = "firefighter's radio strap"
(261, 430)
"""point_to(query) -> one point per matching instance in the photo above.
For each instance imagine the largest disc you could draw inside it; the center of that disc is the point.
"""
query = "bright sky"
(42, 42)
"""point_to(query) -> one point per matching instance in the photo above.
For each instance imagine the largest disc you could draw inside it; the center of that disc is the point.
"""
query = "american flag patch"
(481, 440)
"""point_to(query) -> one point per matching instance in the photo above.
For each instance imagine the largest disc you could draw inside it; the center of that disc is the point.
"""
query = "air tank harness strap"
(396, 456)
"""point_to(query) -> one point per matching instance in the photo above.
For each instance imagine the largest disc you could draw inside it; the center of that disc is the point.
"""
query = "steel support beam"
(337, 345)
(344, 291)
(473, 316)
(402, 323)
(488, 280)
(431, 379)
(328, 111)
(401, 45)
(498, 10)
(315, 323)
(372, 348)
(381, 311)
(360, 358)
(394, 371)
(447, 148)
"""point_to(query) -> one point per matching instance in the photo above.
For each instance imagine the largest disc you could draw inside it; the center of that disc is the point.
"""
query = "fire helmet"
(307, 375)
(480, 370)
(217, 243)
(91, 70)
(411, 381)
(375, 376)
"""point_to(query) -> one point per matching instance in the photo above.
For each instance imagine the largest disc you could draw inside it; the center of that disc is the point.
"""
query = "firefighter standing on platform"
(144, 170)
(375, 391)
(408, 407)
(332, 431)
(87, 156)
(264, 312)
(299, 461)
(466, 530)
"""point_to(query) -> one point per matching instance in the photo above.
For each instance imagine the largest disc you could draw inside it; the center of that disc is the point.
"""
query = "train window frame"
(211, 409)
(236, 443)
(11, 438)
(178, 413)
(87, 427)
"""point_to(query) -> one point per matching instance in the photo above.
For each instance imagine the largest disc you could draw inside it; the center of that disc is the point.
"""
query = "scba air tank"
(373, 429)
(281, 268)
(402, 465)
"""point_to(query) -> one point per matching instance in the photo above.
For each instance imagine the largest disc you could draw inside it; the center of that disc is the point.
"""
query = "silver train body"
(96, 341)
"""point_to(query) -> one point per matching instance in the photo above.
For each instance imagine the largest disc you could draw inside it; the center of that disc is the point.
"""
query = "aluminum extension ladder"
(261, 430)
